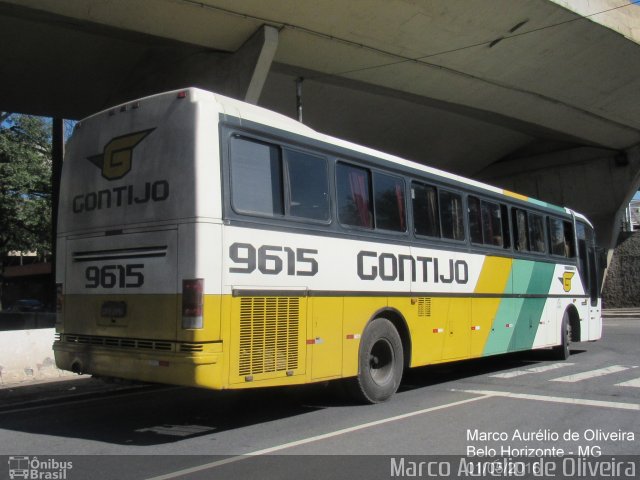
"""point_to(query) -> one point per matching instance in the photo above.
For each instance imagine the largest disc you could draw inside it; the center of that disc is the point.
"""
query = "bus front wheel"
(380, 363)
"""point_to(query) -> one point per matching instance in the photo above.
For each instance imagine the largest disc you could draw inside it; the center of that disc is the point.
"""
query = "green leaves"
(25, 184)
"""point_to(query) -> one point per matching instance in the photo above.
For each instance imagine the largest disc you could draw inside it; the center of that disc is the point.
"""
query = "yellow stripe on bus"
(493, 280)
(515, 195)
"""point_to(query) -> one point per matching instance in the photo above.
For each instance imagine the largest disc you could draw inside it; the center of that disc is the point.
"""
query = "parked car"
(27, 305)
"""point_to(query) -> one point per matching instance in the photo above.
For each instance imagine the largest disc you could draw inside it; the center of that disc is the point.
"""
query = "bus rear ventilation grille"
(117, 342)
(269, 334)
(191, 347)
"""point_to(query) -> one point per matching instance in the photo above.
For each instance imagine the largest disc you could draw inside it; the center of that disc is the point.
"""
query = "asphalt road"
(514, 407)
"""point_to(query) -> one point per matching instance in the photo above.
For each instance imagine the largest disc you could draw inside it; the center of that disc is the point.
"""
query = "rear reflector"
(182, 94)
(192, 303)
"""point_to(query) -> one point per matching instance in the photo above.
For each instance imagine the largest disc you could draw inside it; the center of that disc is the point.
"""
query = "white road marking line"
(631, 383)
(316, 438)
(546, 398)
(578, 377)
(177, 430)
(544, 368)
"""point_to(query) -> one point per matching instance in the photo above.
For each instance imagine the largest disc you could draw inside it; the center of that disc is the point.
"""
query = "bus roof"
(276, 120)
(261, 115)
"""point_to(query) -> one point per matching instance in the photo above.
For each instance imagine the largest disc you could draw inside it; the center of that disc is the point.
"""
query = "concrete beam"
(596, 182)
(240, 75)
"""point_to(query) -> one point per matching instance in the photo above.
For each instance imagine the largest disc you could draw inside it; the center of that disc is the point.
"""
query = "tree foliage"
(25, 184)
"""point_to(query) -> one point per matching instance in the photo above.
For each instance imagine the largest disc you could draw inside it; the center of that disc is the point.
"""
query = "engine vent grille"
(191, 347)
(117, 342)
(269, 328)
(424, 306)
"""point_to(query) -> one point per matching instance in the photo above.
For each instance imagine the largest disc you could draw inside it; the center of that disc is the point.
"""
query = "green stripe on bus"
(517, 319)
(500, 335)
(547, 205)
(528, 319)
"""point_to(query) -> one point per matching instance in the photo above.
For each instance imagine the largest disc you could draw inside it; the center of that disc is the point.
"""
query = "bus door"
(591, 279)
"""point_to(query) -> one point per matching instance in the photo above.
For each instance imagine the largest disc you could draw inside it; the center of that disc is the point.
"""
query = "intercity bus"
(206, 242)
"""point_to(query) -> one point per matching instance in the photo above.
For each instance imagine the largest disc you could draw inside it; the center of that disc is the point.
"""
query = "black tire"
(563, 351)
(380, 363)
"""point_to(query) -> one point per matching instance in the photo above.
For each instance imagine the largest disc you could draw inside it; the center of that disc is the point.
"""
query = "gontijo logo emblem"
(566, 280)
(115, 161)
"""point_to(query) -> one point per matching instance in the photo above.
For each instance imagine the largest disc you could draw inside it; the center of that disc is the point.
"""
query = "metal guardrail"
(621, 313)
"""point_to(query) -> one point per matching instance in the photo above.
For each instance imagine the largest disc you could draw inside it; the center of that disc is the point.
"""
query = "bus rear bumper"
(192, 370)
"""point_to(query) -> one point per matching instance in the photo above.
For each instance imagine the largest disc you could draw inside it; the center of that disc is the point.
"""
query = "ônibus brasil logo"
(34, 468)
(115, 160)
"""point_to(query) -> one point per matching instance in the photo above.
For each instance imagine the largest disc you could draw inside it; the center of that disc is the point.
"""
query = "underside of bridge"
(529, 95)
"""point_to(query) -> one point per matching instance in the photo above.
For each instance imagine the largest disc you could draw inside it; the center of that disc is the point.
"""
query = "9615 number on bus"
(273, 260)
(115, 276)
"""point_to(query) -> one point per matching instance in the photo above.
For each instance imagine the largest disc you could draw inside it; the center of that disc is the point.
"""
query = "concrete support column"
(241, 74)
(57, 155)
(250, 65)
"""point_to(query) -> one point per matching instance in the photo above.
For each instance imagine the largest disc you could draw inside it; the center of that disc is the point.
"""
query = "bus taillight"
(192, 303)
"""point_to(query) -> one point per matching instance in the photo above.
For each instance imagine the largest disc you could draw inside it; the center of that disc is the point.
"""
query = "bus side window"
(425, 210)
(536, 233)
(389, 202)
(451, 216)
(308, 185)
(520, 230)
(569, 240)
(556, 236)
(506, 236)
(475, 219)
(354, 196)
(485, 222)
(491, 224)
(256, 177)
(561, 241)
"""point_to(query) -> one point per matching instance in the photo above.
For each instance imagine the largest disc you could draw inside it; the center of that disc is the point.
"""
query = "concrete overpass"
(537, 96)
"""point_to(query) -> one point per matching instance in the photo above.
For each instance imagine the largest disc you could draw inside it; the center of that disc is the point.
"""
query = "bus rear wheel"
(380, 363)
(563, 351)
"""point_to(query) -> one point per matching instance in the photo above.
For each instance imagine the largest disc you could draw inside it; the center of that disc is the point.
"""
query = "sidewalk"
(621, 312)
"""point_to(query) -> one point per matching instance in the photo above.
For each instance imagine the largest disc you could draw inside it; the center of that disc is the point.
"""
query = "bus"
(207, 242)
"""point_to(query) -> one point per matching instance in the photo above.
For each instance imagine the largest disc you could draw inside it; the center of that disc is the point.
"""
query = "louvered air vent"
(424, 307)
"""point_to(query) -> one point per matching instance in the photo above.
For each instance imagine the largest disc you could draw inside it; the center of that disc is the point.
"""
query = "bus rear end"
(135, 215)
